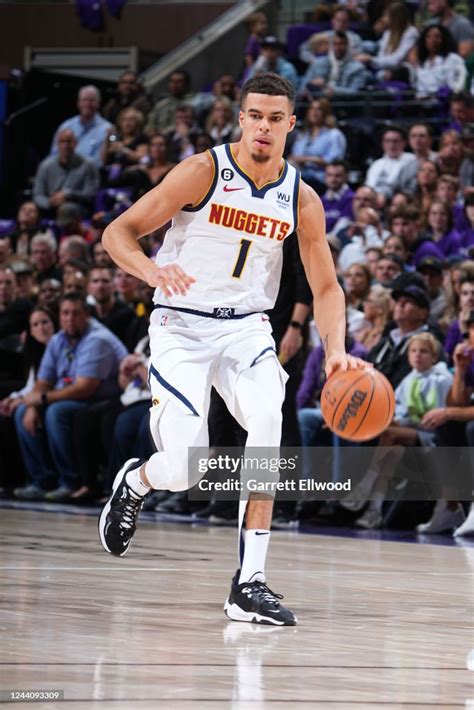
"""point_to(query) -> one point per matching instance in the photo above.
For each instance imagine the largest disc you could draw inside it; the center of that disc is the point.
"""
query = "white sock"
(377, 501)
(255, 553)
(135, 482)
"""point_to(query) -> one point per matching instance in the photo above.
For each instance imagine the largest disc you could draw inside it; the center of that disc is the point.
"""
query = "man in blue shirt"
(80, 365)
(88, 126)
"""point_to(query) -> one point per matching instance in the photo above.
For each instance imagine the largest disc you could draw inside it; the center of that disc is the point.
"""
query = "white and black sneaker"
(256, 603)
(117, 522)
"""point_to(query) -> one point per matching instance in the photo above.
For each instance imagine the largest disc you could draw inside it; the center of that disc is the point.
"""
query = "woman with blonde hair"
(397, 41)
(220, 122)
(377, 313)
(127, 144)
(318, 143)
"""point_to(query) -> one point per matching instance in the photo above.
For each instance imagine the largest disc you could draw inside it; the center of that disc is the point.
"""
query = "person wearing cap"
(65, 177)
(271, 60)
(389, 266)
(25, 282)
(410, 314)
(68, 220)
(431, 269)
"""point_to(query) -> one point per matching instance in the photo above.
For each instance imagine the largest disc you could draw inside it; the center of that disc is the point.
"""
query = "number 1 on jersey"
(245, 245)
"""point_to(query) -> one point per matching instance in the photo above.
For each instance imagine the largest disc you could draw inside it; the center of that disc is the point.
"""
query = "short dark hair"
(269, 84)
(337, 164)
(394, 129)
(463, 98)
(341, 35)
(75, 297)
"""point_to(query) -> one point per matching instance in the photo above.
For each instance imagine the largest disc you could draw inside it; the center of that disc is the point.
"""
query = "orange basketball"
(358, 404)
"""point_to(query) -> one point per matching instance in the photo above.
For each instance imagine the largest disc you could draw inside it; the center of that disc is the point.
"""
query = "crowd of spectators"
(73, 326)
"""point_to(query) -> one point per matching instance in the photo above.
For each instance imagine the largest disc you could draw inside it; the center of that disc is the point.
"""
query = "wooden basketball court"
(382, 624)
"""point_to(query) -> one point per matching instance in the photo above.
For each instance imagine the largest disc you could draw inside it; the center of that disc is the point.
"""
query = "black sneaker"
(256, 603)
(118, 516)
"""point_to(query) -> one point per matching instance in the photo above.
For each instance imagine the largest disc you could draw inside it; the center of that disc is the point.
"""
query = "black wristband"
(296, 324)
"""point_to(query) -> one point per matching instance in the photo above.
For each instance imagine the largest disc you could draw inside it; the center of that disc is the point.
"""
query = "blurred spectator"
(44, 257)
(271, 60)
(395, 245)
(451, 153)
(115, 315)
(126, 287)
(99, 256)
(152, 171)
(14, 310)
(69, 222)
(363, 197)
(442, 13)
(340, 22)
(337, 73)
(426, 179)
(80, 365)
(468, 232)
(181, 135)
(466, 171)
(377, 311)
(437, 64)
(318, 143)
(372, 255)
(27, 224)
(65, 177)
(404, 223)
(162, 115)
(419, 140)
(410, 315)
(203, 141)
(14, 313)
(366, 231)
(461, 111)
(257, 24)
(25, 282)
(431, 269)
(389, 266)
(384, 173)
(128, 144)
(225, 87)
(88, 126)
(337, 199)
(220, 123)
(129, 94)
(6, 252)
(422, 390)
(73, 247)
(397, 40)
(75, 282)
(357, 285)
(442, 239)
(49, 293)
(459, 327)
(41, 327)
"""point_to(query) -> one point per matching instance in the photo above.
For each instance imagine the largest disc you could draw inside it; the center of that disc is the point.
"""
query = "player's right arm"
(185, 185)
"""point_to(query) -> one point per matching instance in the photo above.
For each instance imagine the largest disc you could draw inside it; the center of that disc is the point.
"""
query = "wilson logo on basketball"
(357, 399)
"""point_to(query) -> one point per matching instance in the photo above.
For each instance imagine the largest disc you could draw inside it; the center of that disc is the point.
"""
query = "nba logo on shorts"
(164, 320)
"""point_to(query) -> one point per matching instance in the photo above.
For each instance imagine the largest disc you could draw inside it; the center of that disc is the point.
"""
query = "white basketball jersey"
(231, 242)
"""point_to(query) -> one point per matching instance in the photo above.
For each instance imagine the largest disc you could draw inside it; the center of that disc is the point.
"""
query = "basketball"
(358, 405)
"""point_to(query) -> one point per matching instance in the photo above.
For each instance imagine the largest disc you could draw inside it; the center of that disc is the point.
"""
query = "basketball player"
(216, 273)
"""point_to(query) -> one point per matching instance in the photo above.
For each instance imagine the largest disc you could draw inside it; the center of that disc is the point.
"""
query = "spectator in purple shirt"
(468, 233)
(459, 328)
(443, 240)
(258, 27)
(337, 200)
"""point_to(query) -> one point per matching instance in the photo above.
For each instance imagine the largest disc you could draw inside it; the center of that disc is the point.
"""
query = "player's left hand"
(344, 362)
